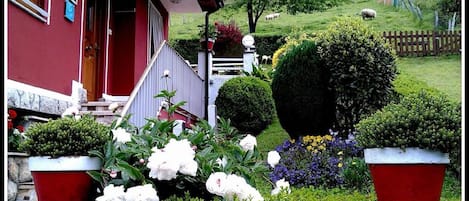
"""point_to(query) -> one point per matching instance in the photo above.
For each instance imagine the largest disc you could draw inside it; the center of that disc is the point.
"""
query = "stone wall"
(20, 182)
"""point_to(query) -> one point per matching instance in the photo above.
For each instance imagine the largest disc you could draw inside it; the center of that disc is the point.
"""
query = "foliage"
(132, 162)
(420, 120)
(318, 194)
(15, 131)
(362, 67)
(291, 41)
(66, 136)
(263, 72)
(446, 10)
(314, 161)
(229, 39)
(303, 101)
(247, 102)
(212, 31)
(357, 175)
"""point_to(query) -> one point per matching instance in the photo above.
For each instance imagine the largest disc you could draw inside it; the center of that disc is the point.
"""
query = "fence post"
(436, 43)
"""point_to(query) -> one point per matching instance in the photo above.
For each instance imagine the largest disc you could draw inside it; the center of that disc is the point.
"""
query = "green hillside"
(389, 18)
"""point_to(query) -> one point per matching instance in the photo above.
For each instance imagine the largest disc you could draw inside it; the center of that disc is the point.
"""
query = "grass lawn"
(443, 73)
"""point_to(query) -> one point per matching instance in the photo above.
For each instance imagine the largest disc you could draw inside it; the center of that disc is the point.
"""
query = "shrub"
(291, 41)
(65, 136)
(314, 161)
(303, 101)
(362, 67)
(420, 120)
(247, 102)
(228, 41)
(357, 175)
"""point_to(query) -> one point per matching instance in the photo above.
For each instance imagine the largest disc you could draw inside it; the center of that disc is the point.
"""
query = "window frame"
(33, 9)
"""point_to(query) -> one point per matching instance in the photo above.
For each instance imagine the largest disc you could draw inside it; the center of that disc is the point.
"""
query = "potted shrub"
(212, 36)
(407, 146)
(59, 158)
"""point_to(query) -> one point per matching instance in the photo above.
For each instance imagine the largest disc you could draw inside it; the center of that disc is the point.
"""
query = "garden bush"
(228, 42)
(247, 102)
(419, 120)
(362, 67)
(303, 101)
(291, 41)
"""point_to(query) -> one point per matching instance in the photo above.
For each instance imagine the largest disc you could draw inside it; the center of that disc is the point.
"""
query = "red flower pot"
(209, 45)
(413, 175)
(64, 178)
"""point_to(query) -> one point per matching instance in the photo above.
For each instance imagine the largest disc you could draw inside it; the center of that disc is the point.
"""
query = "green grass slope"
(389, 18)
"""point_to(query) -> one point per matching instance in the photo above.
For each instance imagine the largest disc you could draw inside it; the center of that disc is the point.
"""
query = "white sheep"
(265, 59)
(368, 13)
(272, 16)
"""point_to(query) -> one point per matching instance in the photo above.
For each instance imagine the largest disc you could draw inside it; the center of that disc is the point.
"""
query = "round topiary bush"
(247, 102)
(305, 105)
(362, 67)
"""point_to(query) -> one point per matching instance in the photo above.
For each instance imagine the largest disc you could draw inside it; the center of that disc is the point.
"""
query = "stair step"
(98, 113)
(100, 104)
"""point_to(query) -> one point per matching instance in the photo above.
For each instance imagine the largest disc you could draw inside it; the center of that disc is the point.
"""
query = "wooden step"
(98, 113)
(101, 104)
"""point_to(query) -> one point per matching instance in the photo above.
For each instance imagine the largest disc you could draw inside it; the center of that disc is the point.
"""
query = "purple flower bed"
(314, 161)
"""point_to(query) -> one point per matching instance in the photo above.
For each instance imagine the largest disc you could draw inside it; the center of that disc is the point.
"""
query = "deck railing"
(188, 85)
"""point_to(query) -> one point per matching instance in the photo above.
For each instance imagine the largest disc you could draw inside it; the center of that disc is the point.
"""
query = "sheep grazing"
(272, 16)
(368, 13)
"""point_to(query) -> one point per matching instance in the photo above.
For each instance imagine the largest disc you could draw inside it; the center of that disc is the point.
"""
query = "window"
(37, 8)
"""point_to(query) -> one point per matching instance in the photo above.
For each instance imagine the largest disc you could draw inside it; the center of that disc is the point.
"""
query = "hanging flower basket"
(413, 174)
(209, 45)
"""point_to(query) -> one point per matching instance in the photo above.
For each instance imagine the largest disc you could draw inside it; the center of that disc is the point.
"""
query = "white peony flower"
(273, 157)
(121, 135)
(113, 106)
(216, 183)
(248, 142)
(163, 165)
(281, 185)
(189, 168)
(142, 193)
(112, 193)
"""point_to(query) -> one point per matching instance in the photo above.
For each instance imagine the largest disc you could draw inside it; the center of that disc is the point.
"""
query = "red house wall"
(42, 55)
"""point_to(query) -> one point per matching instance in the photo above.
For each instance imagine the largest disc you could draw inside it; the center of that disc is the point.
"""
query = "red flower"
(20, 128)
(12, 114)
(10, 124)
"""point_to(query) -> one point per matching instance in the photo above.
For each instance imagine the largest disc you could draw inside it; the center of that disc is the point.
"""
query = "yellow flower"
(340, 153)
(292, 140)
(309, 148)
(328, 137)
(339, 165)
(314, 144)
(321, 147)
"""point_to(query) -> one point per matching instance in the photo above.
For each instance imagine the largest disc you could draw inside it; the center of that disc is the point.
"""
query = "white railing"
(182, 78)
(227, 66)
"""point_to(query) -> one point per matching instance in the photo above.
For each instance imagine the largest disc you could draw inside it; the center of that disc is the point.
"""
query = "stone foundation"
(20, 182)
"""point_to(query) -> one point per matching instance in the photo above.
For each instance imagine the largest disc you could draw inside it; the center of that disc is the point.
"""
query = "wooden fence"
(424, 43)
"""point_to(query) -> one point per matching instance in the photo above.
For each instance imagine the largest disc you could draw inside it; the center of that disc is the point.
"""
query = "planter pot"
(410, 175)
(209, 45)
(63, 178)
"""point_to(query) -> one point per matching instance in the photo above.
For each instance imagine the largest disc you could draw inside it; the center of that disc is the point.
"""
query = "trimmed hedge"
(247, 102)
(304, 103)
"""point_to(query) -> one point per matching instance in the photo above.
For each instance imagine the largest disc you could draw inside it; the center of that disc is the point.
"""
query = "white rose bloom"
(112, 193)
(280, 185)
(273, 157)
(235, 186)
(113, 106)
(248, 142)
(180, 148)
(166, 73)
(250, 193)
(216, 183)
(142, 193)
(121, 135)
